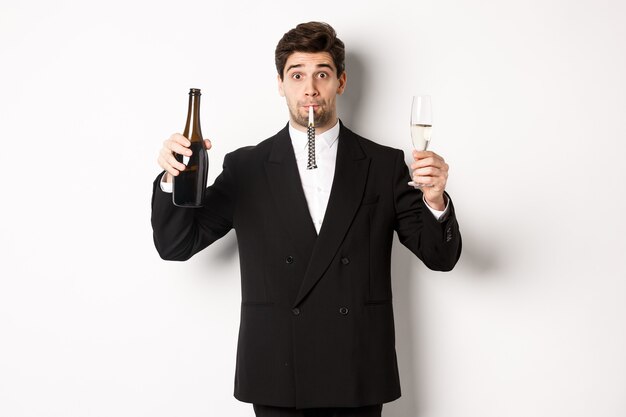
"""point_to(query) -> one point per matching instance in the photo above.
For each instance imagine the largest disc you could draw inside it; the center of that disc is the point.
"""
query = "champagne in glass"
(421, 124)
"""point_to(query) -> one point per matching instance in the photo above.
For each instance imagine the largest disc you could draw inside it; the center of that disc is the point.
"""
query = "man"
(317, 334)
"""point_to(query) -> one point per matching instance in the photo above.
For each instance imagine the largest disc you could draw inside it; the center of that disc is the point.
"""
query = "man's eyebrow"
(301, 65)
(293, 66)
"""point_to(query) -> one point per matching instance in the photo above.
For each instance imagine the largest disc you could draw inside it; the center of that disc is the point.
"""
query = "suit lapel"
(286, 190)
(351, 170)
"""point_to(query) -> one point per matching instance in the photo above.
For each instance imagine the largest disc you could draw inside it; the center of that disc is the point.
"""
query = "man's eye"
(322, 75)
(296, 76)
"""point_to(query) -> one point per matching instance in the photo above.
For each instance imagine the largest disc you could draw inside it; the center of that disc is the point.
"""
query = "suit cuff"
(440, 215)
(166, 187)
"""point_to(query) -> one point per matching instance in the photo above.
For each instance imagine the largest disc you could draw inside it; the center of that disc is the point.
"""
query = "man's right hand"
(179, 144)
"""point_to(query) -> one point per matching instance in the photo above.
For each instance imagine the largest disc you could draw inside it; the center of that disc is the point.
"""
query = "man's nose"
(310, 88)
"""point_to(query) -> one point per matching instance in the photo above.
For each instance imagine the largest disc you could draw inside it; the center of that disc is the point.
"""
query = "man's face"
(310, 79)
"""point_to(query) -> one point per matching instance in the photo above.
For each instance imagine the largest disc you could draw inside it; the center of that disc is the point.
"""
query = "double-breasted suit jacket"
(317, 327)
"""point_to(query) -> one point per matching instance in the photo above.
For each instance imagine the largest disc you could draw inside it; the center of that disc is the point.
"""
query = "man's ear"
(343, 78)
(281, 91)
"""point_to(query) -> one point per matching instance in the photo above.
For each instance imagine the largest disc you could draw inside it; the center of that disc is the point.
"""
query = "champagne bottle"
(189, 185)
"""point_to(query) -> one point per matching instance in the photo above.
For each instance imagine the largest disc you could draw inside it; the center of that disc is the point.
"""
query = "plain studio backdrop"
(529, 103)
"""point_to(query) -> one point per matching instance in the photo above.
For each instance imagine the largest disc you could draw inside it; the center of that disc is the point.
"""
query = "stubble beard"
(322, 117)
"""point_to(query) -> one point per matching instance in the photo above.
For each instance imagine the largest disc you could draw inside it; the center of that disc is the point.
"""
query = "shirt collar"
(300, 140)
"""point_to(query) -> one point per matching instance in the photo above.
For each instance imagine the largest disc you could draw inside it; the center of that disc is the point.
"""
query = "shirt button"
(343, 310)
(296, 311)
(289, 259)
(345, 261)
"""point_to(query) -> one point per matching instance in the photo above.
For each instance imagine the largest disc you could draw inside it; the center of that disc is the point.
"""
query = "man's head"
(311, 72)
(310, 37)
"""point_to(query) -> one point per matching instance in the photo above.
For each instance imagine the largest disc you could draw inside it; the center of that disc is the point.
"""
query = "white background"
(529, 101)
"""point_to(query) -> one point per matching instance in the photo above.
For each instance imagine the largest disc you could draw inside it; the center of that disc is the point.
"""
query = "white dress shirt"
(317, 183)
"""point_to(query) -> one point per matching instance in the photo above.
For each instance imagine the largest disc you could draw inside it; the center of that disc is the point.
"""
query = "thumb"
(207, 144)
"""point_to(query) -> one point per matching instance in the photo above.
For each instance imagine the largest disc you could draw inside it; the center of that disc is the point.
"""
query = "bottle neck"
(192, 127)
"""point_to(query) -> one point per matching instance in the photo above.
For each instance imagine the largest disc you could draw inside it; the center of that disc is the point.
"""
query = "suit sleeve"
(437, 244)
(179, 233)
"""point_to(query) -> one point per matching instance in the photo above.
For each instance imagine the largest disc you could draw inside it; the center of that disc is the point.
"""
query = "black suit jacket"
(317, 326)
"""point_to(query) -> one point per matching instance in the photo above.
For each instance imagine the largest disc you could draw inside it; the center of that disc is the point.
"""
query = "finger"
(207, 144)
(424, 154)
(421, 155)
(428, 171)
(439, 180)
(175, 163)
(170, 146)
(171, 164)
(177, 143)
(428, 161)
(180, 139)
(166, 166)
(168, 160)
(422, 179)
(172, 171)
(435, 182)
(434, 171)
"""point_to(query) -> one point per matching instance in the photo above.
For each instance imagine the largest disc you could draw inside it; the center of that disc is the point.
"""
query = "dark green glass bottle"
(189, 185)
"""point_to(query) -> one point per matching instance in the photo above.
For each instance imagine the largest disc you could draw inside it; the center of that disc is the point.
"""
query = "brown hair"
(310, 37)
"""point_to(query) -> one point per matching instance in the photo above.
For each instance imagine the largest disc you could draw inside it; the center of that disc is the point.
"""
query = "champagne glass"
(421, 124)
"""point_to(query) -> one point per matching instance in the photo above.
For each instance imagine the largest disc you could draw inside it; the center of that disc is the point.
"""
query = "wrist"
(438, 203)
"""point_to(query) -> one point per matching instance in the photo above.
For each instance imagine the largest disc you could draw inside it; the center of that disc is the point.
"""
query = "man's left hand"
(431, 172)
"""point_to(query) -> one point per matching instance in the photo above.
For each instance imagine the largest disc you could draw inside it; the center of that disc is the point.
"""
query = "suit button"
(289, 259)
(343, 310)
(345, 261)
(296, 311)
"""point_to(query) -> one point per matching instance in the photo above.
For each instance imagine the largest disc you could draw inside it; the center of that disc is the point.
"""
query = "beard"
(322, 117)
